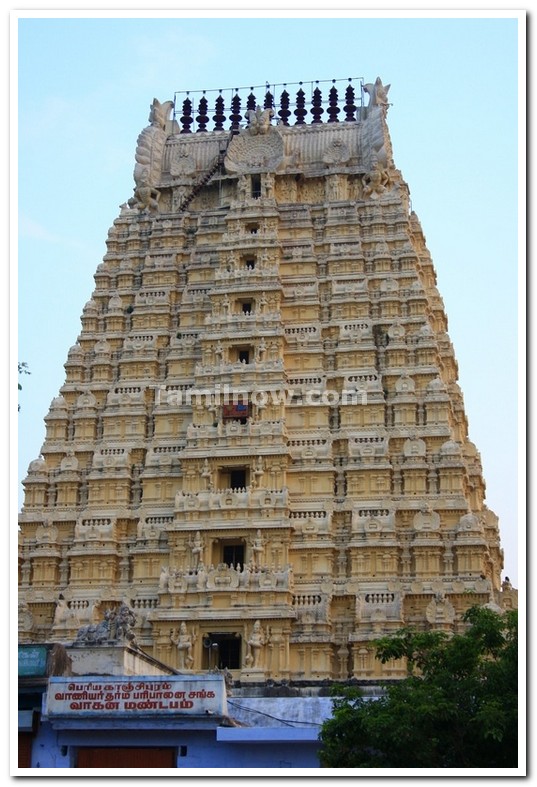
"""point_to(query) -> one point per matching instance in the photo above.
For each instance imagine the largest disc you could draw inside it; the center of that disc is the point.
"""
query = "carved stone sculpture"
(116, 627)
(258, 546)
(255, 643)
(184, 642)
(149, 151)
(375, 182)
(94, 634)
(378, 93)
(64, 617)
(196, 546)
(259, 120)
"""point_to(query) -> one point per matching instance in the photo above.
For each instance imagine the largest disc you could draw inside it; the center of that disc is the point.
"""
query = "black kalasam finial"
(284, 108)
(186, 118)
(350, 106)
(316, 106)
(219, 116)
(333, 109)
(235, 116)
(300, 111)
(202, 118)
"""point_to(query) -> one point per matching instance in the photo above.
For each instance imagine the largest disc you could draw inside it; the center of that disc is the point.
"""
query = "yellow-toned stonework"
(261, 447)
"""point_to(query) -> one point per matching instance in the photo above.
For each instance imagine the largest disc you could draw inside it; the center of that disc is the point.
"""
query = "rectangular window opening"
(222, 650)
(233, 554)
(237, 478)
(256, 186)
(234, 477)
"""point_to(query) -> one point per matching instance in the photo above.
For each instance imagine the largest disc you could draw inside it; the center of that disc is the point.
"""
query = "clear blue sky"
(84, 90)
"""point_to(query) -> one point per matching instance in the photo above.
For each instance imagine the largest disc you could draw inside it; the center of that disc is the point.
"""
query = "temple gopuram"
(260, 453)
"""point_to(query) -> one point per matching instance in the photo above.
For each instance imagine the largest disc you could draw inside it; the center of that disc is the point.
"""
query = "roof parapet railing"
(298, 103)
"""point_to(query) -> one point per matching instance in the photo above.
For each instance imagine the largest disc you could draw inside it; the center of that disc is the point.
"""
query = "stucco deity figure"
(375, 182)
(196, 546)
(164, 579)
(274, 351)
(378, 93)
(258, 471)
(258, 547)
(94, 612)
(146, 196)
(64, 616)
(206, 471)
(255, 643)
(244, 576)
(123, 622)
(333, 187)
(172, 578)
(202, 576)
(62, 611)
(259, 120)
(261, 349)
(440, 611)
(184, 642)
(268, 184)
(207, 355)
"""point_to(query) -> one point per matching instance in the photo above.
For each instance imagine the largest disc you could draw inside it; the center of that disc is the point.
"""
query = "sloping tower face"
(261, 446)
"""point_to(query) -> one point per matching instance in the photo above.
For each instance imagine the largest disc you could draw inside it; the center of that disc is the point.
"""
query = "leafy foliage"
(23, 369)
(458, 707)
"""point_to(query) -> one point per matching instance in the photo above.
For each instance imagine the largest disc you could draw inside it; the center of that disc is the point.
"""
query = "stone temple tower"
(261, 447)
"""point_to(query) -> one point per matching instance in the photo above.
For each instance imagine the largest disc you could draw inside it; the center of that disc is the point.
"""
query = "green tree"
(23, 369)
(457, 708)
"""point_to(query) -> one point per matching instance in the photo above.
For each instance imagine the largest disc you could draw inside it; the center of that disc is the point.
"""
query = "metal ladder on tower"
(218, 161)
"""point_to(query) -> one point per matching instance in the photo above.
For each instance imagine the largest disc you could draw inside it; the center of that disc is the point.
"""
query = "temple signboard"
(136, 695)
(32, 660)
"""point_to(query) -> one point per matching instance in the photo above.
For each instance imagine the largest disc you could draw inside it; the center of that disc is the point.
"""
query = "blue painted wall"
(202, 748)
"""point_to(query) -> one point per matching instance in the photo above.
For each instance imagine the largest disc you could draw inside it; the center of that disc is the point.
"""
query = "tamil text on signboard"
(173, 694)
